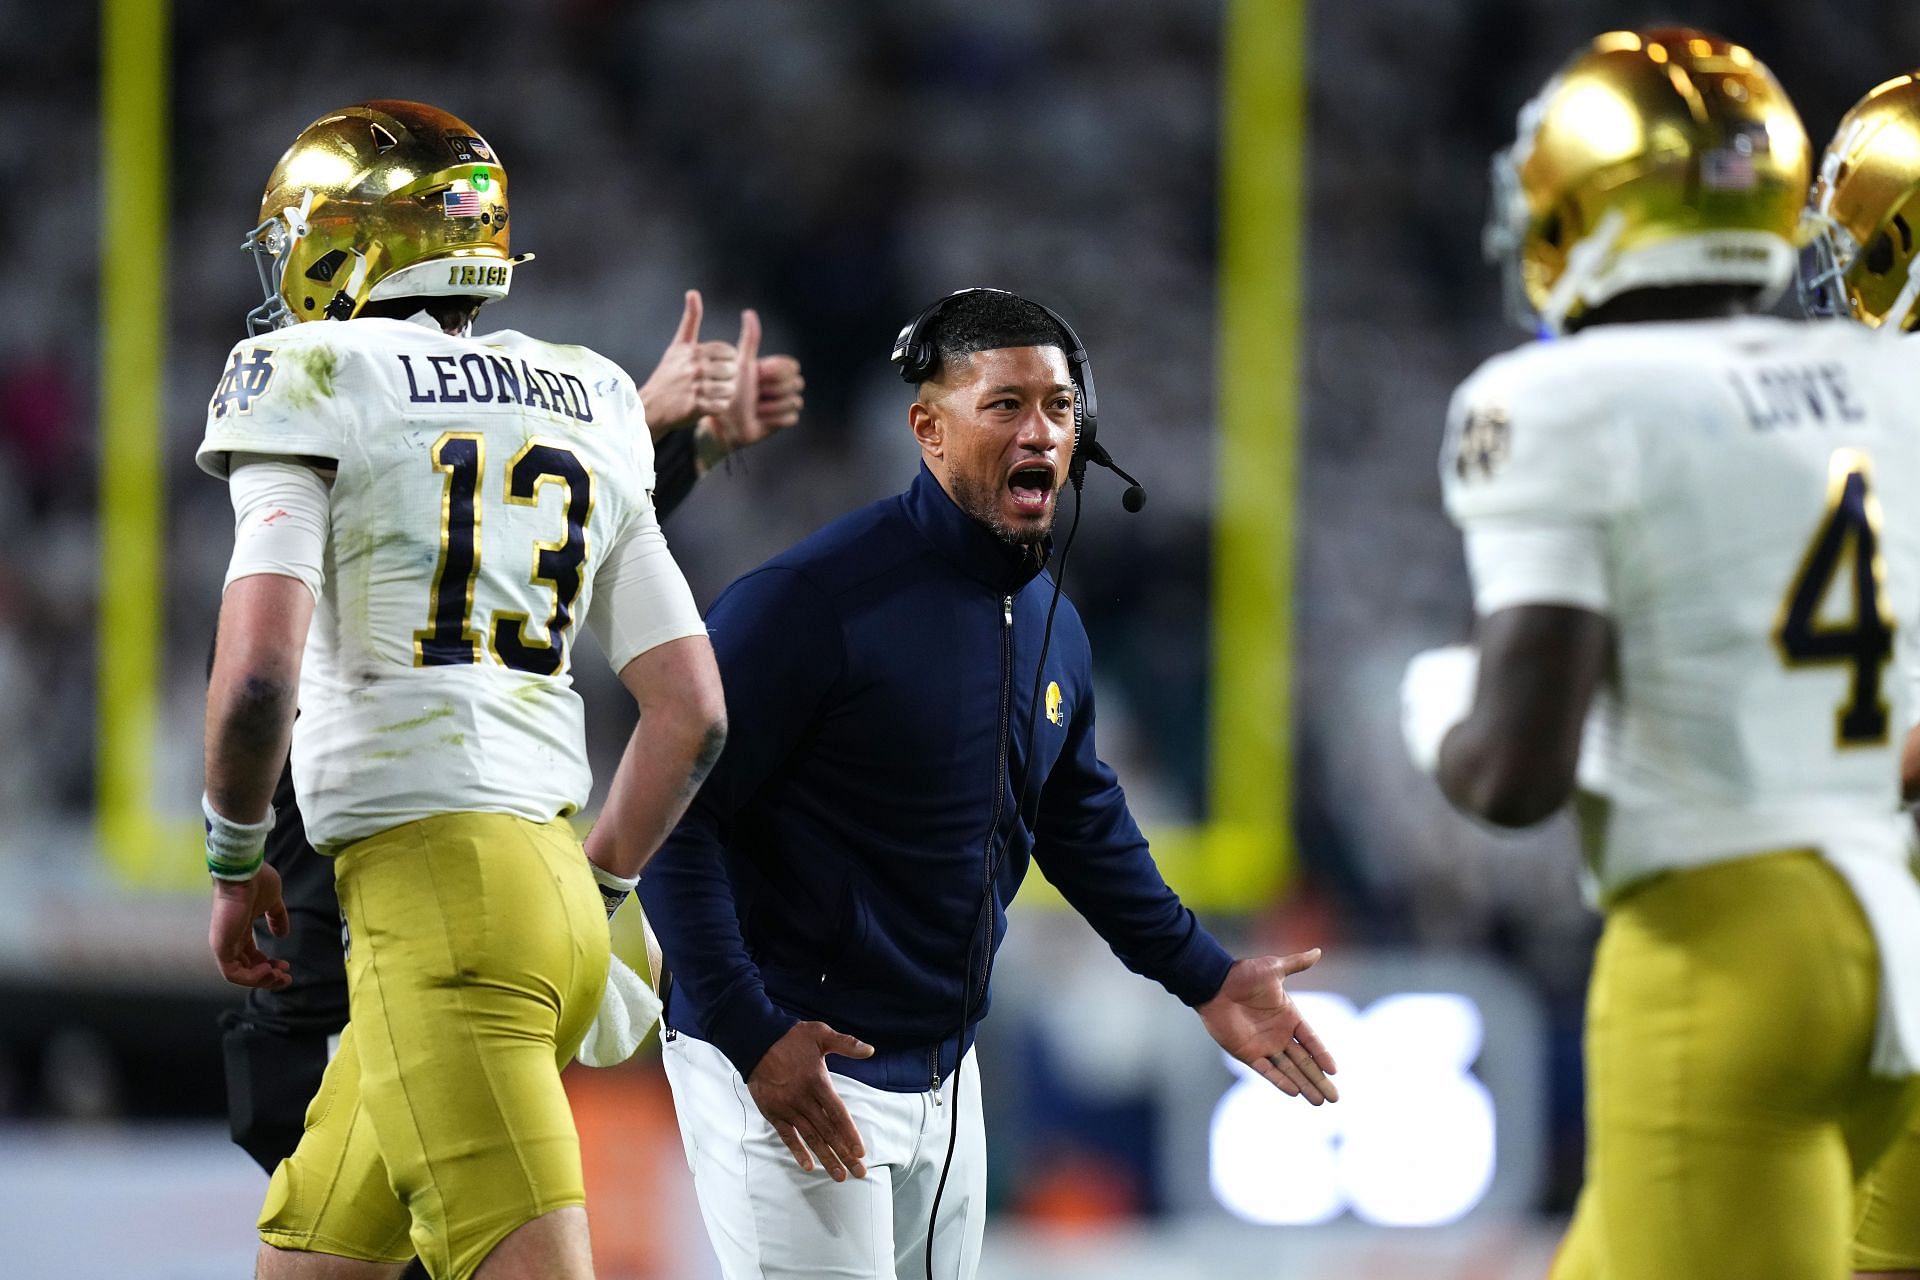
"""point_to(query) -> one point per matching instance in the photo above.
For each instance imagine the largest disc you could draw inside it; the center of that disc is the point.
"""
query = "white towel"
(1890, 899)
(628, 1010)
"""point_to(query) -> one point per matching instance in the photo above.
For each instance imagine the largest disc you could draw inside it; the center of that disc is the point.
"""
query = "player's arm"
(645, 618)
(1534, 470)
(281, 516)
(1910, 767)
(1512, 760)
(682, 728)
(1910, 747)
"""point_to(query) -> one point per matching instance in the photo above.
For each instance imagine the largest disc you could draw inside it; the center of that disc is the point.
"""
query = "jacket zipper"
(999, 788)
(993, 826)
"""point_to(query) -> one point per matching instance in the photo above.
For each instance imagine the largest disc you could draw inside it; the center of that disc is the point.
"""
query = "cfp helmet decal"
(1653, 158)
(1863, 213)
(375, 200)
(1056, 708)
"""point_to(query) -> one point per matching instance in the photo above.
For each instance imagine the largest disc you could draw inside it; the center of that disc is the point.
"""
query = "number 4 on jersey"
(1849, 538)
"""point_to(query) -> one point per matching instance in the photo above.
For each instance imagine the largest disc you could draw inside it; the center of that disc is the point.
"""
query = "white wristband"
(614, 889)
(235, 850)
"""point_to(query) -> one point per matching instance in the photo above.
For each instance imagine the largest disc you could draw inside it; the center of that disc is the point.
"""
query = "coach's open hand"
(236, 905)
(792, 1090)
(1254, 1019)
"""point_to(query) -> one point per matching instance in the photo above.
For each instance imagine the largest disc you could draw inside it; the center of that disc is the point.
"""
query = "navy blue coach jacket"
(834, 866)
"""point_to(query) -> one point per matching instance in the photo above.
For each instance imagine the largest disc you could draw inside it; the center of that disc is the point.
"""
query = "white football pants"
(768, 1220)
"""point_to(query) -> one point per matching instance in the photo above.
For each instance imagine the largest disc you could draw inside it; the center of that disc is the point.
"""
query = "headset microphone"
(1135, 496)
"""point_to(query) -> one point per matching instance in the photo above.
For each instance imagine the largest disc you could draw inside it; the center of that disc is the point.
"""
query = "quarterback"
(1860, 223)
(422, 518)
(1694, 539)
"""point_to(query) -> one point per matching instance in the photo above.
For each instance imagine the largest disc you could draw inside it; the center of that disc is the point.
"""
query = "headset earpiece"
(912, 353)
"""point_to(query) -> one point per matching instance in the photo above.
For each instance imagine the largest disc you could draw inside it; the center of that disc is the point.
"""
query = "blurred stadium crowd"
(837, 164)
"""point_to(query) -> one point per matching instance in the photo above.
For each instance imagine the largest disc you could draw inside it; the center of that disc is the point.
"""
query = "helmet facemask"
(1862, 217)
(270, 243)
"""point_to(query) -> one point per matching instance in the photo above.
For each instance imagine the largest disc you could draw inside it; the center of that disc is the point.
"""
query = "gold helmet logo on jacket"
(380, 200)
(1863, 214)
(1653, 159)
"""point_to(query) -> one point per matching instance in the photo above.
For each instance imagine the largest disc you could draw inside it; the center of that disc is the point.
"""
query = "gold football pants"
(1729, 1109)
(1886, 1234)
(477, 953)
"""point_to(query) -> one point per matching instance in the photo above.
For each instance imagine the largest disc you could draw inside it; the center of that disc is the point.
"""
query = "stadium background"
(1262, 216)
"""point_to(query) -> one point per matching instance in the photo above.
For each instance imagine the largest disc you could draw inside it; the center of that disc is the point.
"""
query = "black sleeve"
(275, 1046)
(673, 470)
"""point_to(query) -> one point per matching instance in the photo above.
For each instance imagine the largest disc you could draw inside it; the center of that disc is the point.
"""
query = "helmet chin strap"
(297, 225)
(1903, 305)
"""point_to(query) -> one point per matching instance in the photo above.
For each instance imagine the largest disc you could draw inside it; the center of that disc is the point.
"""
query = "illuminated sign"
(1410, 1144)
(1442, 1112)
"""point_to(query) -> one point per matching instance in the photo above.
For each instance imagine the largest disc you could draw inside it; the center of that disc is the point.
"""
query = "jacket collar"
(970, 545)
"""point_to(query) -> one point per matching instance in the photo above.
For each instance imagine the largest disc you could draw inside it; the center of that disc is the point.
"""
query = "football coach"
(912, 715)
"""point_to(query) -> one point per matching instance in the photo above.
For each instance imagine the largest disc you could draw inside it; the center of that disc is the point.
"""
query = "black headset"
(915, 356)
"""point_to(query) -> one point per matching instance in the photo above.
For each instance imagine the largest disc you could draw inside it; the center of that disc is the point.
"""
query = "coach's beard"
(984, 505)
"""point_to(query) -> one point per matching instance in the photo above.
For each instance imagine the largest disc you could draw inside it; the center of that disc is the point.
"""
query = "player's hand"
(792, 1089)
(766, 396)
(1255, 1020)
(693, 379)
(780, 401)
(236, 905)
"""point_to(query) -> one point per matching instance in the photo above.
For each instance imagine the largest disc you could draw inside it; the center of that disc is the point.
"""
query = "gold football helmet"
(1863, 213)
(1653, 159)
(380, 200)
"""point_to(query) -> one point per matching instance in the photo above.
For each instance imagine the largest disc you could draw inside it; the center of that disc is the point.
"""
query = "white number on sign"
(1409, 1144)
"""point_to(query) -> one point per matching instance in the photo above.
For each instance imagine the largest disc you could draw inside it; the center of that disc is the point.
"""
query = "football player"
(277, 1045)
(1862, 218)
(1694, 539)
(422, 519)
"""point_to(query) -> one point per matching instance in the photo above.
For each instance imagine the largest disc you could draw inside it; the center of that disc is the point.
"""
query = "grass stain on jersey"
(321, 365)
(401, 726)
(530, 691)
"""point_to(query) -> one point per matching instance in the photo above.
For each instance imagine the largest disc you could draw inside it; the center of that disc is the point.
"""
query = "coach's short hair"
(988, 320)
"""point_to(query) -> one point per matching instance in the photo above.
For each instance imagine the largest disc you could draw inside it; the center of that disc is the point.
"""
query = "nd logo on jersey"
(242, 383)
(1056, 710)
(1485, 439)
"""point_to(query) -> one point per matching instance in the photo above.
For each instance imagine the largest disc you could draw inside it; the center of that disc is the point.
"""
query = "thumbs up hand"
(694, 379)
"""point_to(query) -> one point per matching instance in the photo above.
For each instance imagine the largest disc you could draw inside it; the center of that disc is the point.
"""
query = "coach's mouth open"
(1030, 486)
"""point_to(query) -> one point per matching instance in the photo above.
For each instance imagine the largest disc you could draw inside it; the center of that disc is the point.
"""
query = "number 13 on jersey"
(1848, 539)
(450, 638)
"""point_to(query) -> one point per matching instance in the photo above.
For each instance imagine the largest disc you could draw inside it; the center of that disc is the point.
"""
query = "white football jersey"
(479, 485)
(1742, 499)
